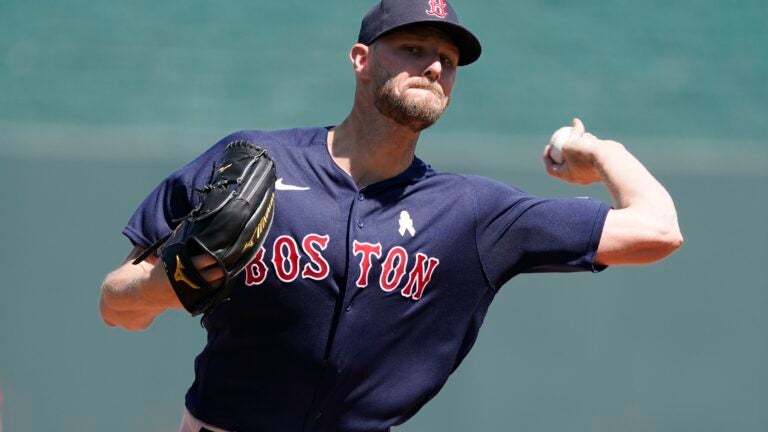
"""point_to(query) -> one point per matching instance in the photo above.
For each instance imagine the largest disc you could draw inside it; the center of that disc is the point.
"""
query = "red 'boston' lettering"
(368, 250)
(287, 256)
(318, 267)
(391, 273)
(256, 270)
(285, 253)
(419, 276)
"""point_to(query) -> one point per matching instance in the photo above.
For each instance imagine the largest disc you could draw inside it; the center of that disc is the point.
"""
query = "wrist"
(610, 156)
(607, 151)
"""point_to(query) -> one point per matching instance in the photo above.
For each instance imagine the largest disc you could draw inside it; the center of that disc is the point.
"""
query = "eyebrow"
(410, 37)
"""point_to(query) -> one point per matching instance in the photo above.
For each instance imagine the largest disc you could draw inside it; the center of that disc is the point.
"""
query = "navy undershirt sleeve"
(520, 233)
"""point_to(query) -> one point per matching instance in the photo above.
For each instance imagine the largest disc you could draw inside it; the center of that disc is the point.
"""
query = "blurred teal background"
(100, 100)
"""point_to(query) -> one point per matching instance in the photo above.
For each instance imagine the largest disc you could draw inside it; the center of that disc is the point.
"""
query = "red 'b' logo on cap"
(438, 8)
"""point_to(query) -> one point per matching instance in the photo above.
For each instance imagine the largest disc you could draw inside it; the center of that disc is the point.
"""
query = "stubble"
(415, 113)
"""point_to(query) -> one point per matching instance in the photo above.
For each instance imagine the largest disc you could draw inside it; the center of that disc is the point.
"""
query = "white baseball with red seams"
(558, 139)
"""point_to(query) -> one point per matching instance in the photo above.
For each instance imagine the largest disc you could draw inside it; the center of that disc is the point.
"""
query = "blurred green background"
(100, 100)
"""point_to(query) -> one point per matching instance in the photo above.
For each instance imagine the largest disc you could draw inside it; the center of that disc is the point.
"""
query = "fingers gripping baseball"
(572, 158)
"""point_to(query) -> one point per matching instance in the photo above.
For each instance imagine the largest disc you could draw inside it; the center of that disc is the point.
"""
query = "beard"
(415, 113)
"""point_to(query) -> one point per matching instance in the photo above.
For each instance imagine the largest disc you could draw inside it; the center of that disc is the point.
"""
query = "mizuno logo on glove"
(180, 276)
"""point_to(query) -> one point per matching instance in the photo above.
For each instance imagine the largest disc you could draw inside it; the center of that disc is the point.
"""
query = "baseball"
(558, 139)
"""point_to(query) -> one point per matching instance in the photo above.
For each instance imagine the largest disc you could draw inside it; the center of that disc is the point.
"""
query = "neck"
(370, 147)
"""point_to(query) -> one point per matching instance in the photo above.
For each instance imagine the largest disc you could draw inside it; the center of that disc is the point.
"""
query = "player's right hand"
(209, 269)
(581, 157)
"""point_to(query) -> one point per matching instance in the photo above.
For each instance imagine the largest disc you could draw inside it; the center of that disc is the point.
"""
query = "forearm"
(133, 295)
(643, 227)
(631, 185)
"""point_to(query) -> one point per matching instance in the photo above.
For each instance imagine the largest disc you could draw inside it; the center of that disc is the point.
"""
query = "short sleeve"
(173, 198)
(521, 233)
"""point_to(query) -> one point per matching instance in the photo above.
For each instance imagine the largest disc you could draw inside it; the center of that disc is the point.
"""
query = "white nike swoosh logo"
(279, 185)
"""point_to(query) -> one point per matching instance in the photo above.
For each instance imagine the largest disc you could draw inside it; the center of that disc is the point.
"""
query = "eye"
(448, 61)
(414, 50)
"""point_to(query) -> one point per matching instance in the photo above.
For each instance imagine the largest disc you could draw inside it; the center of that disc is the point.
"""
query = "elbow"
(667, 241)
(114, 313)
(676, 242)
(135, 325)
(126, 320)
(106, 315)
(673, 237)
(105, 310)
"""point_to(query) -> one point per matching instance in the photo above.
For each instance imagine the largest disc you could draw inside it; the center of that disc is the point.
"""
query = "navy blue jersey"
(361, 302)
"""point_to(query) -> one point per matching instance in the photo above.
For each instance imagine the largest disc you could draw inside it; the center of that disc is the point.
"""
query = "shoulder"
(475, 186)
(199, 169)
(273, 139)
(470, 196)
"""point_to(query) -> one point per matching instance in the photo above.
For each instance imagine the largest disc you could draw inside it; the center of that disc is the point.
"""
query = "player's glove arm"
(208, 248)
(133, 295)
(224, 232)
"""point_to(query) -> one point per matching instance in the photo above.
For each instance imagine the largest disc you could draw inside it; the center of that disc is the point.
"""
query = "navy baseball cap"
(390, 15)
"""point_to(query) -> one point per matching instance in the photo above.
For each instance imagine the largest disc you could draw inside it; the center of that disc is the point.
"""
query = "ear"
(358, 55)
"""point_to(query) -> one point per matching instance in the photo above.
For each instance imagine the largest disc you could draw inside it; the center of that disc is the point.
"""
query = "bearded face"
(415, 102)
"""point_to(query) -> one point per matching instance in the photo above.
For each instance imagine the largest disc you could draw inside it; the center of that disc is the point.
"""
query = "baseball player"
(375, 278)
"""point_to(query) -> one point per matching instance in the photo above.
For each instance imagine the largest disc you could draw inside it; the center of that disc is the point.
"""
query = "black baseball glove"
(230, 224)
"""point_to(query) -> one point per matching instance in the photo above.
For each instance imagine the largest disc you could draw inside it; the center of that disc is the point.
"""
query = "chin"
(428, 101)
(421, 94)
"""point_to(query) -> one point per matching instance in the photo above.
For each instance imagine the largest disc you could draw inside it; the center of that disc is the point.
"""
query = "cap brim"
(469, 46)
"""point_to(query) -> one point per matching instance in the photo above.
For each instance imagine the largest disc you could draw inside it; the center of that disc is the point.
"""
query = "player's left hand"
(580, 157)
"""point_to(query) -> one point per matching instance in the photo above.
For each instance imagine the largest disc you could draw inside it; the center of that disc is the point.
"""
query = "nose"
(433, 71)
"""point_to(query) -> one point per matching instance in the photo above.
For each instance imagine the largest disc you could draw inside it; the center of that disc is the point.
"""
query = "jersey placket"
(332, 368)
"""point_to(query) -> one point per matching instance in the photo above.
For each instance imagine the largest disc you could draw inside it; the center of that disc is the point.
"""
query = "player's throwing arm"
(643, 226)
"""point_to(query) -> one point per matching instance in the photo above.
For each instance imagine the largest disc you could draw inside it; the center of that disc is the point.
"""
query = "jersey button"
(360, 224)
(360, 197)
